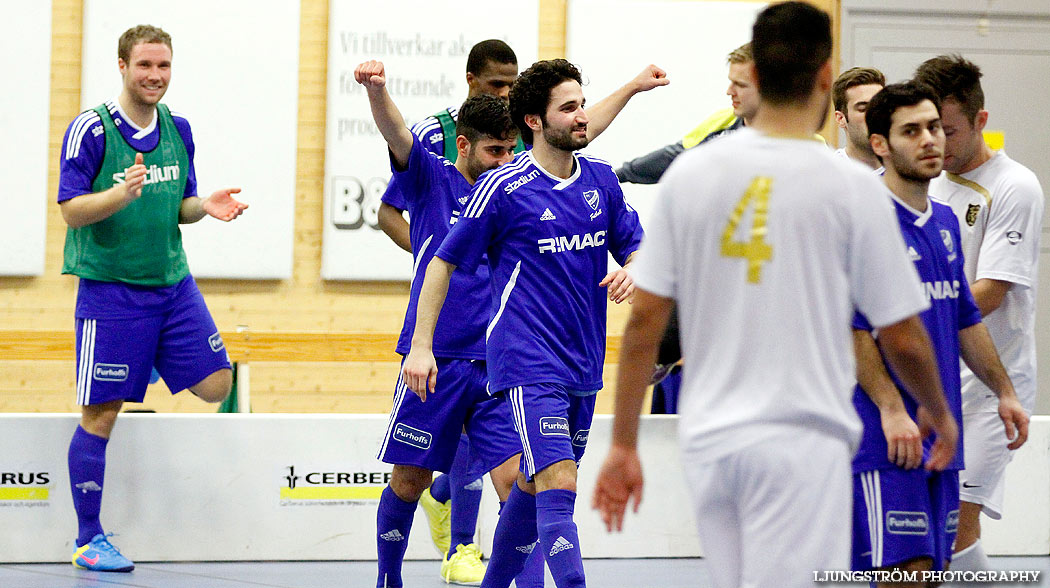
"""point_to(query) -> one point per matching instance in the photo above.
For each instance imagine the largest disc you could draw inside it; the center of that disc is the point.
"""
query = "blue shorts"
(900, 515)
(115, 356)
(553, 424)
(426, 434)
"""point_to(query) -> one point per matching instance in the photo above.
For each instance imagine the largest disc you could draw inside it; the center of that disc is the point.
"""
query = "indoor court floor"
(601, 573)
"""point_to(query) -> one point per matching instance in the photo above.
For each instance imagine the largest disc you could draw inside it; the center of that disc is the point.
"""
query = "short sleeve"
(83, 147)
(627, 234)
(469, 239)
(883, 282)
(1010, 247)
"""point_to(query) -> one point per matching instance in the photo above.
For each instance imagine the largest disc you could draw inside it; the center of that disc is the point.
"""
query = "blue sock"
(515, 538)
(87, 469)
(440, 488)
(559, 538)
(531, 575)
(466, 498)
(393, 523)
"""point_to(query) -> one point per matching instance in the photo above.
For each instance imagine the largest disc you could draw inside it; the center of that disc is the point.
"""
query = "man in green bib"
(126, 183)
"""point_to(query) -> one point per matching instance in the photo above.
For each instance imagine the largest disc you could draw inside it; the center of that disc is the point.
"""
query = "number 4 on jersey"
(757, 250)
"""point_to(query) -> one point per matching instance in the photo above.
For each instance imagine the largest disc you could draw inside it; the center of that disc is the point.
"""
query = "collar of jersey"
(920, 217)
(559, 183)
(139, 132)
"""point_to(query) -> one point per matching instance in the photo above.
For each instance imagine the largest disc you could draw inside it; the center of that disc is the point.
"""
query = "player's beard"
(563, 138)
(909, 171)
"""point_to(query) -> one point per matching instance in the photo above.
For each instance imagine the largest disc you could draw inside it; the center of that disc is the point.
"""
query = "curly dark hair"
(955, 78)
(485, 115)
(531, 92)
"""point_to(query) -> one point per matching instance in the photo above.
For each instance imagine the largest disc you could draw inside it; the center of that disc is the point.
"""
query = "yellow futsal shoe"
(438, 514)
(464, 566)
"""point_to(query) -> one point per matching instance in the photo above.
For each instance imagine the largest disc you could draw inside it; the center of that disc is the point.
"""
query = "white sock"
(971, 559)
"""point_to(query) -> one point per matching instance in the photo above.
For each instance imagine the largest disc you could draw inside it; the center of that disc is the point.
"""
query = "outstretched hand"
(371, 74)
(222, 206)
(650, 77)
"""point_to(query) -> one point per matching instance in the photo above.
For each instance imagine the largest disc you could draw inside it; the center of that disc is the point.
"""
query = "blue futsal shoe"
(100, 556)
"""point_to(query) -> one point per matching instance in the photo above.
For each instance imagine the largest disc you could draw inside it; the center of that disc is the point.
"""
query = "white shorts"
(775, 512)
(984, 443)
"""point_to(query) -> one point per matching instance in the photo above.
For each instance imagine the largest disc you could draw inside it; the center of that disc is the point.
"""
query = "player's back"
(766, 234)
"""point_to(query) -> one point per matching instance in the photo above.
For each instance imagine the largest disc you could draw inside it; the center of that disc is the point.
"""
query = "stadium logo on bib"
(111, 372)
(154, 175)
(907, 523)
(554, 426)
(411, 436)
(580, 440)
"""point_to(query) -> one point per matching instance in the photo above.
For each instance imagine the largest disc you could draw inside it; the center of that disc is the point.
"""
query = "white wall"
(25, 68)
(209, 487)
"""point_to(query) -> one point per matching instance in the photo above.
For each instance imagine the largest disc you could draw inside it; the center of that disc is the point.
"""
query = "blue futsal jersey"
(935, 247)
(434, 191)
(548, 240)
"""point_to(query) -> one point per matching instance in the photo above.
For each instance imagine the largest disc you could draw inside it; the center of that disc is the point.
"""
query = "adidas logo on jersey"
(394, 535)
(560, 545)
(91, 486)
(476, 485)
(527, 548)
(547, 215)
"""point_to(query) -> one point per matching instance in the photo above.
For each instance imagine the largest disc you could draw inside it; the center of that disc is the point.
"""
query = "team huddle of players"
(765, 239)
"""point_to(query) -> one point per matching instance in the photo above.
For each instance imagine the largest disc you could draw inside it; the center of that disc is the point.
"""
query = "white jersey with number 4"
(1000, 210)
(768, 244)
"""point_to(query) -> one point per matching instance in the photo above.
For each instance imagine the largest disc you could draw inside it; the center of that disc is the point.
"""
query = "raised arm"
(372, 75)
(906, 346)
(91, 208)
(978, 351)
(903, 440)
(420, 369)
(602, 114)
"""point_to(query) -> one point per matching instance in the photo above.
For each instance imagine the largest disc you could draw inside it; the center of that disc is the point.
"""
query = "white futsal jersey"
(768, 244)
(1000, 210)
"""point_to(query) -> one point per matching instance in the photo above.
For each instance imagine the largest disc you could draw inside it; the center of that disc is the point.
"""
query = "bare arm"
(602, 114)
(620, 478)
(88, 209)
(420, 369)
(906, 347)
(978, 351)
(989, 294)
(393, 223)
(220, 205)
(372, 75)
(619, 282)
(903, 441)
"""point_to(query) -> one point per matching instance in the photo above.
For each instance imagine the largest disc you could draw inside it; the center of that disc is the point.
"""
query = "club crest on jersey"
(971, 214)
(593, 199)
(946, 236)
